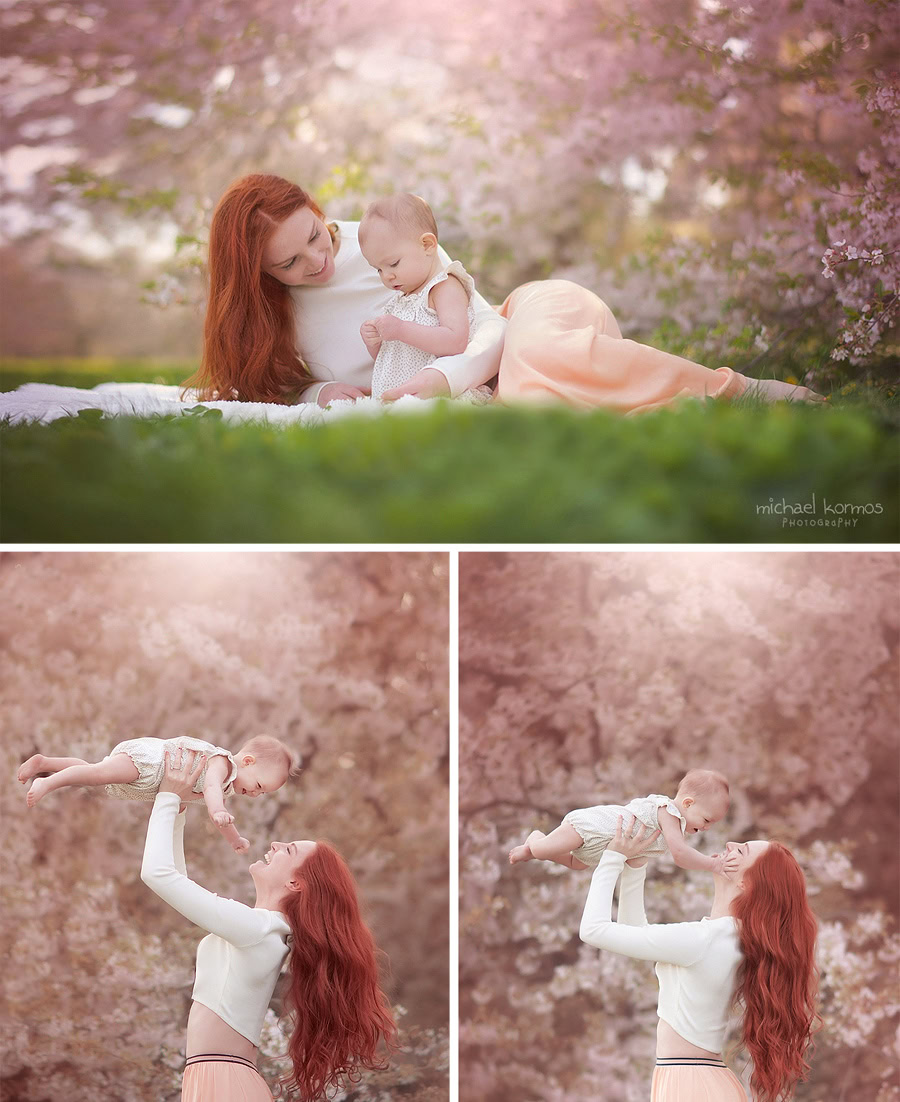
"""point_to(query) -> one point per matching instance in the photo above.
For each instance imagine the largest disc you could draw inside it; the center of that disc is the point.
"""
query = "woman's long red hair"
(340, 1014)
(777, 980)
(249, 343)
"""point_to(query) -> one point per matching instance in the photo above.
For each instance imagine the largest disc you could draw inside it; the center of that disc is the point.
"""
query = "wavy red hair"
(778, 979)
(249, 341)
(341, 1017)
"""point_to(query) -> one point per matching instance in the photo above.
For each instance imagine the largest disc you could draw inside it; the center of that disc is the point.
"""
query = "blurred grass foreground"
(702, 472)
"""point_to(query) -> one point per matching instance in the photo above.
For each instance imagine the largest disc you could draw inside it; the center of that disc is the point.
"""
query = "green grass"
(88, 372)
(455, 474)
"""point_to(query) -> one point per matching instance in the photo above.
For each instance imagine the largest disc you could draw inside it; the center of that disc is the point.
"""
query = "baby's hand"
(241, 845)
(389, 327)
(222, 818)
(369, 330)
(724, 863)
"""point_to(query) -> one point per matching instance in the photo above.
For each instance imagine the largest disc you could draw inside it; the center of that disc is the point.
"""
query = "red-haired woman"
(289, 291)
(755, 950)
(306, 915)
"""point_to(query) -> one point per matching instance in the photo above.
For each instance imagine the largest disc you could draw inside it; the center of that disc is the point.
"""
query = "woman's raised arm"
(674, 943)
(160, 871)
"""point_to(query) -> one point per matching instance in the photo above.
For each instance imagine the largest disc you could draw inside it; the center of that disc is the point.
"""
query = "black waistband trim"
(689, 1062)
(220, 1058)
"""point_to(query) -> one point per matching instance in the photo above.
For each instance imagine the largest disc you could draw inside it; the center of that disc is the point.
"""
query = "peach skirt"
(563, 344)
(218, 1078)
(689, 1080)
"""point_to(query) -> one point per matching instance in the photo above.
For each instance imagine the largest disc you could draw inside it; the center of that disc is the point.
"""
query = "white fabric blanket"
(43, 402)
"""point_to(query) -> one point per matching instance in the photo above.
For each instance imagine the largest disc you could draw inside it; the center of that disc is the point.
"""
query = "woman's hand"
(332, 392)
(633, 839)
(427, 383)
(182, 773)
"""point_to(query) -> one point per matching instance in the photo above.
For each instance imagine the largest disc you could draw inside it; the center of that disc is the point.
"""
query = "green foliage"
(456, 474)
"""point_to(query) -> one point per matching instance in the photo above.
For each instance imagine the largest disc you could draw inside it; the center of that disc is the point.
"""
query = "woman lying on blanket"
(289, 293)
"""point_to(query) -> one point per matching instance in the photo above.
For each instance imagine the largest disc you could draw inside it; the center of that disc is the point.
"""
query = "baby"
(133, 770)
(431, 314)
(581, 839)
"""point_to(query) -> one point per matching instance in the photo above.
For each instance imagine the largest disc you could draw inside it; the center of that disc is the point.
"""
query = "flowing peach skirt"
(695, 1081)
(222, 1079)
(563, 344)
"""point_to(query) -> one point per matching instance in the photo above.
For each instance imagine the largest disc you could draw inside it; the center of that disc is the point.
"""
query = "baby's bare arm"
(213, 786)
(682, 854)
(450, 336)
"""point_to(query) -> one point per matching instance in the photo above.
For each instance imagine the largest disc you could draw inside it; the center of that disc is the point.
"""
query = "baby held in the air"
(581, 839)
(134, 769)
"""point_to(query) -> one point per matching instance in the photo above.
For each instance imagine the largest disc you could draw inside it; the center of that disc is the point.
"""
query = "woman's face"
(300, 252)
(280, 863)
(742, 855)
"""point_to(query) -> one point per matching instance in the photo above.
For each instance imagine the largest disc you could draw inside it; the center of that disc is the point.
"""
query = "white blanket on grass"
(43, 402)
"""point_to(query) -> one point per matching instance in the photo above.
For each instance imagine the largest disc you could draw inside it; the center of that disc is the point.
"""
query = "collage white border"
(453, 552)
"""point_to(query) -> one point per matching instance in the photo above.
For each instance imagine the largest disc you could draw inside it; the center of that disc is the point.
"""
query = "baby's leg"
(557, 846)
(40, 763)
(119, 769)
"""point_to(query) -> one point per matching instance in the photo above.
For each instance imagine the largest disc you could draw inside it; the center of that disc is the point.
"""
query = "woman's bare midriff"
(669, 1044)
(206, 1032)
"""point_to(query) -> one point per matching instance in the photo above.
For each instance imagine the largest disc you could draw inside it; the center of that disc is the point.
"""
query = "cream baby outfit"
(240, 959)
(597, 825)
(397, 362)
(148, 757)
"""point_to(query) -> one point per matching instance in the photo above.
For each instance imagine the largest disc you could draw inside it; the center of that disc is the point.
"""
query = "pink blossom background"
(345, 657)
(725, 174)
(594, 677)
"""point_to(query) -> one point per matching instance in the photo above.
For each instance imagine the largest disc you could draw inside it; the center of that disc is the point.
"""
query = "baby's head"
(703, 799)
(398, 237)
(264, 765)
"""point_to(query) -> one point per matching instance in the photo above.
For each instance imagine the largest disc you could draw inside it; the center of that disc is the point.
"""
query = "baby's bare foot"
(37, 790)
(520, 853)
(37, 763)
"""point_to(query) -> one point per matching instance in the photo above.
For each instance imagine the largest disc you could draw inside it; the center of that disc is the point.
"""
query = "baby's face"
(258, 778)
(402, 261)
(700, 812)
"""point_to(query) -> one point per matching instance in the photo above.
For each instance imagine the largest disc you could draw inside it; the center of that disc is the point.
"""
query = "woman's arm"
(228, 918)
(674, 943)
(164, 874)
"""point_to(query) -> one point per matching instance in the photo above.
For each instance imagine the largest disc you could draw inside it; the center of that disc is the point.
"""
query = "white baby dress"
(397, 362)
(147, 754)
(597, 825)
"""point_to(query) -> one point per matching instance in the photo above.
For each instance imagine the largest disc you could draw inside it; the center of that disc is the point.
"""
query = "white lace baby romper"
(597, 825)
(148, 757)
(397, 362)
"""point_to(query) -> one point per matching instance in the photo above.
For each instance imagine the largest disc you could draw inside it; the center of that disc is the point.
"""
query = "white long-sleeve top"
(327, 319)
(696, 962)
(239, 962)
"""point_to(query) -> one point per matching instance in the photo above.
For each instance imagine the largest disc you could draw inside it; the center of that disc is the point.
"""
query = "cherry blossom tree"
(724, 173)
(595, 677)
(344, 656)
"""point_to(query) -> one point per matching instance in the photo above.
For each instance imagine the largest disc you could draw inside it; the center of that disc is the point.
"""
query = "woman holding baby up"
(754, 950)
(306, 917)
